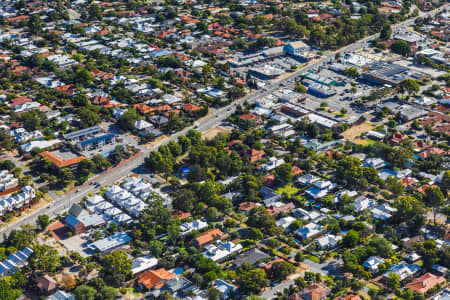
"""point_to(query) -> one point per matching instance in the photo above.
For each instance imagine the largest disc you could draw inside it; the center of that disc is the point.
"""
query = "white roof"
(143, 263)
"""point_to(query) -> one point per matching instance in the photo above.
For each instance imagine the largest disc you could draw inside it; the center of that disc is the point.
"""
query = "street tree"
(43, 221)
(435, 198)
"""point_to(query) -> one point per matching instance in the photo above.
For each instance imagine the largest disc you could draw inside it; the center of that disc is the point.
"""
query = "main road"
(62, 203)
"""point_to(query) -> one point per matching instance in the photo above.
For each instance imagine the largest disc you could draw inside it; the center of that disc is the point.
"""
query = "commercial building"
(318, 89)
(320, 79)
(295, 48)
(294, 110)
(63, 158)
(96, 142)
(82, 134)
(385, 73)
(266, 72)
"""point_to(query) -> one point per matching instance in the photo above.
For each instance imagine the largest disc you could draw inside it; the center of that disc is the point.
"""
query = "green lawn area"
(287, 189)
(372, 286)
(313, 258)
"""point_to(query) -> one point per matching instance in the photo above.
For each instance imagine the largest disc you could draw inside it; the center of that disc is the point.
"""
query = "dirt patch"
(210, 134)
(58, 230)
(357, 130)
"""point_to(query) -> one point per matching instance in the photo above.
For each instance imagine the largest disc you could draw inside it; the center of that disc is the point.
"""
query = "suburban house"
(320, 189)
(309, 231)
(403, 270)
(372, 264)
(46, 284)
(221, 251)
(316, 291)
(155, 279)
(208, 237)
(142, 264)
(327, 241)
(251, 256)
(425, 283)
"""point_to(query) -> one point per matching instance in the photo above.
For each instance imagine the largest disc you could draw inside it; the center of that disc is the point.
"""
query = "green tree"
(284, 172)
(100, 163)
(7, 292)
(386, 32)
(445, 182)
(85, 292)
(382, 247)
(300, 88)
(351, 239)
(395, 186)
(435, 199)
(21, 238)
(43, 221)
(81, 76)
(116, 268)
(127, 119)
(195, 137)
(36, 60)
(88, 117)
(35, 24)
(273, 243)
(393, 282)
(184, 200)
(251, 280)
(95, 12)
(281, 269)
(255, 234)
(212, 214)
(401, 47)
(398, 157)
(109, 293)
(44, 258)
(185, 143)
(409, 86)
(351, 72)
(213, 294)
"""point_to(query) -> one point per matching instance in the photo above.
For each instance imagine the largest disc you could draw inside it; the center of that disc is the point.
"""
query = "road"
(62, 203)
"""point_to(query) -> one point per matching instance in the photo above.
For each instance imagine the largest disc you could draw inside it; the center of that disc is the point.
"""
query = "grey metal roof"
(82, 132)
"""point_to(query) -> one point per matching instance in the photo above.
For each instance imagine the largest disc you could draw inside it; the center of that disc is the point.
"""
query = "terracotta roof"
(249, 117)
(143, 108)
(46, 283)
(398, 137)
(431, 151)
(425, 282)
(407, 182)
(247, 206)
(191, 107)
(20, 100)
(208, 237)
(315, 291)
(182, 215)
(155, 279)
(58, 162)
(424, 187)
(256, 155)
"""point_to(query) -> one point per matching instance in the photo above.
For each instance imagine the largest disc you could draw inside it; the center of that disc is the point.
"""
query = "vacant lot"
(357, 130)
(210, 134)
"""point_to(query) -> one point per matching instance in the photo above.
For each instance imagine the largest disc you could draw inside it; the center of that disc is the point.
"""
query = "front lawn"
(288, 189)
